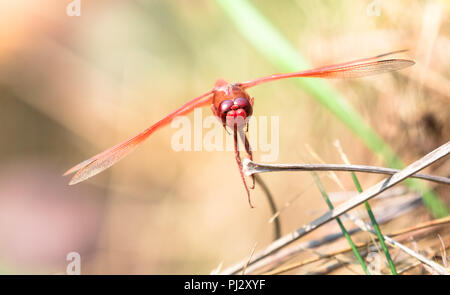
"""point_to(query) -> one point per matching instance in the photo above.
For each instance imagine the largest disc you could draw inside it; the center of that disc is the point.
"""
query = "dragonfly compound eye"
(238, 112)
(224, 107)
(244, 104)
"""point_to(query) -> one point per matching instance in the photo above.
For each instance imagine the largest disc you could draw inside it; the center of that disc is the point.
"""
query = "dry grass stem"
(251, 168)
(368, 194)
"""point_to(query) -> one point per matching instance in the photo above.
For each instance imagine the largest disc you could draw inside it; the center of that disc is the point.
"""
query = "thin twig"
(331, 174)
(273, 207)
(369, 211)
(375, 229)
(371, 192)
(251, 168)
(287, 204)
(338, 146)
(341, 225)
(312, 260)
(249, 258)
(424, 225)
(444, 252)
(409, 267)
(390, 212)
(366, 227)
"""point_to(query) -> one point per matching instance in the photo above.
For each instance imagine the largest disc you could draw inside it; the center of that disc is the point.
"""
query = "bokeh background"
(71, 87)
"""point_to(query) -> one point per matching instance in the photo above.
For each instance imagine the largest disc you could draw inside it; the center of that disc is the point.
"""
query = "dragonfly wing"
(79, 166)
(353, 69)
(106, 159)
(362, 70)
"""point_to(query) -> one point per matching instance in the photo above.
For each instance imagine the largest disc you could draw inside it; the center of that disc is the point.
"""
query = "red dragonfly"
(233, 106)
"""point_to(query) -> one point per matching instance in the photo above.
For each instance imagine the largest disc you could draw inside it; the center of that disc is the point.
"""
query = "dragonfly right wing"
(106, 159)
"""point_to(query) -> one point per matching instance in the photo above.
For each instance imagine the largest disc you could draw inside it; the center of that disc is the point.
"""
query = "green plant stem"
(341, 225)
(376, 227)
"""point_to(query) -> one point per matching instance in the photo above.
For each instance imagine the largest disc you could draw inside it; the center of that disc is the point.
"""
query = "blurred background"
(72, 86)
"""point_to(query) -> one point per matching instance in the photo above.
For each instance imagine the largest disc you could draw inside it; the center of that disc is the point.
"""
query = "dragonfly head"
(235, 112)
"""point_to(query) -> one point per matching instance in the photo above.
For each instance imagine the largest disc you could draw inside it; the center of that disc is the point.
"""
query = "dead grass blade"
(371, 192)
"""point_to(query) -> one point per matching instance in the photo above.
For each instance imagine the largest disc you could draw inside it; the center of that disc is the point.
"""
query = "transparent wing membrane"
(352, 69)
(106, 159)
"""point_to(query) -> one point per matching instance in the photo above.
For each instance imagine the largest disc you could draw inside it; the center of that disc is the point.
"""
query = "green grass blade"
(376, 227)
(286, 58)
(341, 225)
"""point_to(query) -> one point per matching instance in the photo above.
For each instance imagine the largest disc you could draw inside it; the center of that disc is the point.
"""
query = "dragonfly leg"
(239, 162)
(248, 149)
